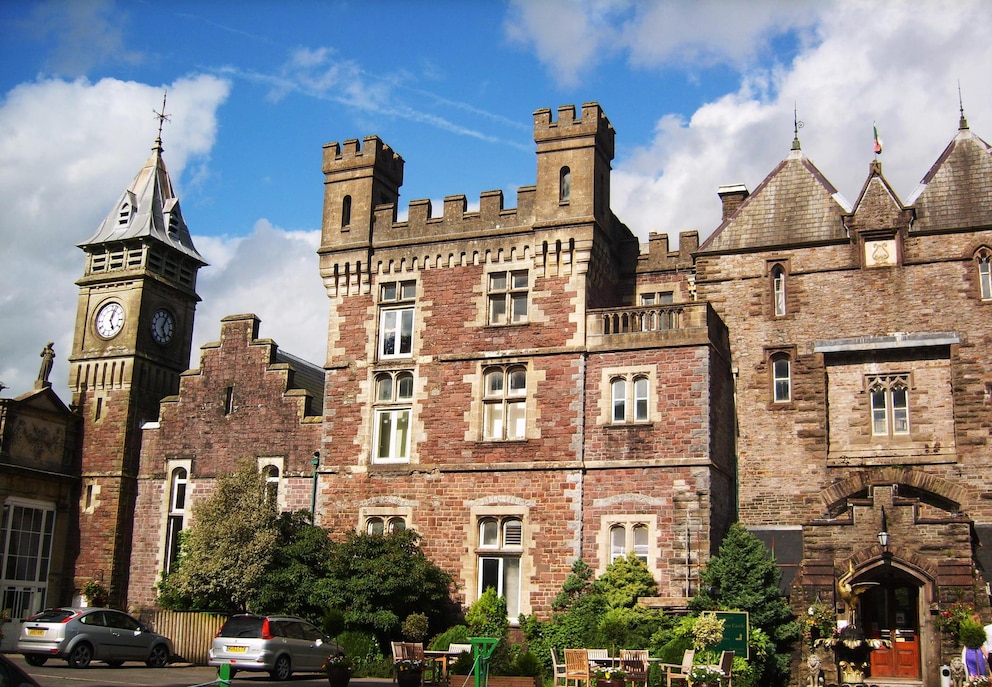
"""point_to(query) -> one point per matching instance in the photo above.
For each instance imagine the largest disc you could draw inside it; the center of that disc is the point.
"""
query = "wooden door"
(891, 611)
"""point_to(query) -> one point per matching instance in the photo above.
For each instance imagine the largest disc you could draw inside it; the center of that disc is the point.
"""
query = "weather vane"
(162, 116)
(797, 125)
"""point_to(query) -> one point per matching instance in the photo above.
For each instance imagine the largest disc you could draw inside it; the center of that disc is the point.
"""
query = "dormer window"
(124, 217)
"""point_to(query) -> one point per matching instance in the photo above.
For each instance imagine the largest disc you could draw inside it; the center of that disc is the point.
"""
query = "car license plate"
(235, 649)
(35, 632)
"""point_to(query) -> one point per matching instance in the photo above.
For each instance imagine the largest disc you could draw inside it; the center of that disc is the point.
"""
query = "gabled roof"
(878, 206)
(148, 209)
(957, 191)
(794, 204)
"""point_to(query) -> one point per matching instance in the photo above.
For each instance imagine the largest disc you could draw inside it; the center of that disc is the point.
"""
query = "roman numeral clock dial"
(110, 320)
(163, 326)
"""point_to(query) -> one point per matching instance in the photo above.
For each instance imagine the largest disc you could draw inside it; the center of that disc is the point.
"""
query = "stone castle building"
(525, 386)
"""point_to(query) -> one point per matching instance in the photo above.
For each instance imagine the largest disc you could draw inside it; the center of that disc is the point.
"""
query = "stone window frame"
(564, 185)
(502, 550)
(393, 406)
(883, 387)
(503, 298)
(632, 402)
(273, 482)
(628, 521)
(397, 301)
(983, 267)
(386, 509)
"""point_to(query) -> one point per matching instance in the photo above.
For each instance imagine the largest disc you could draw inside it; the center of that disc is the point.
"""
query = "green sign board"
(735, 633)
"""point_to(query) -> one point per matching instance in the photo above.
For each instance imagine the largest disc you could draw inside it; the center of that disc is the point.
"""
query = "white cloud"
(67, 151)
(271, 273)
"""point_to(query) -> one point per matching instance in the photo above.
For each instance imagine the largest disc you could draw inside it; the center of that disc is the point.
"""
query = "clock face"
(163, 326)
(110, 320)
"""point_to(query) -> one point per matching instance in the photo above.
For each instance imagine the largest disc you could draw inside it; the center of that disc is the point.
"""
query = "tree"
(743, 576)
(226, 553)
(292, 584)
(377, 580)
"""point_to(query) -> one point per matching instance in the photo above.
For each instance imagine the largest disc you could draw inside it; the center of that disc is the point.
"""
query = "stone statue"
(47, 356)
(958, 671)
(815, 670)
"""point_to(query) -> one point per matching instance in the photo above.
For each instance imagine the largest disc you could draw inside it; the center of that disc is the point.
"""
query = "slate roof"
(154, 211)
(794, 204)
(957, 191)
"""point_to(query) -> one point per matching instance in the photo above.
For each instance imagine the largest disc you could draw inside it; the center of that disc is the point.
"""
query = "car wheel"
(81, 656)
(115, 664)
(282, 670)
(158, 658)
(35, 659)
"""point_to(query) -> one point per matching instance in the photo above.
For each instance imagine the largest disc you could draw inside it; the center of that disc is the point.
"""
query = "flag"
(878, 141)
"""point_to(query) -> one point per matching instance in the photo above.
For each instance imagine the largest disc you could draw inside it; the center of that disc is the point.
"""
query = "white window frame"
(396, 319)
(889, 402)
(630, 398)
(627, 537)
(508, 296)
(781, 378)
(778, 290)
(500, 559)
(984, 259)
(28, 555)
(393, 416)
(504, 413)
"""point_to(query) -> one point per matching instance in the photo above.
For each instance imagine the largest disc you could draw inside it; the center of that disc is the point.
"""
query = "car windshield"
(53, 615)
(243, 626)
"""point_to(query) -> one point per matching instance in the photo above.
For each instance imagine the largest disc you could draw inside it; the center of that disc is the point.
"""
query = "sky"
(701, 94)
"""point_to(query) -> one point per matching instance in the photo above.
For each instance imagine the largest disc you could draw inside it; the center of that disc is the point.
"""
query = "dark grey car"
(81, 635)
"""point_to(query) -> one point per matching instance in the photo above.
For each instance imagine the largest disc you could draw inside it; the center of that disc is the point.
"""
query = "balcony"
(652, 326)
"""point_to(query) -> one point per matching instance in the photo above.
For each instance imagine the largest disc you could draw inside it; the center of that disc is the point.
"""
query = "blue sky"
(700, 94)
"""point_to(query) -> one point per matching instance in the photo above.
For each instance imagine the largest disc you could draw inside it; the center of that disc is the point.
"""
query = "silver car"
(276, 644)
(81, 635)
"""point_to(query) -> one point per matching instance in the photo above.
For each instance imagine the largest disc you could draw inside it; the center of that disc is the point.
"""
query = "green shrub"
(456, 634)
(971, 634)
(365, 654)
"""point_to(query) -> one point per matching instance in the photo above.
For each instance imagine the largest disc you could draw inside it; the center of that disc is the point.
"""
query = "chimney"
(732, 196)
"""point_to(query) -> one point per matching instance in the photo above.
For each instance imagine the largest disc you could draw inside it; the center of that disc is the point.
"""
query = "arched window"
(346, 211)
(271, 473)
(619, 387)
(889, 404)
(393, 406)
(630, 396)
(628, 538)
(177, 514)
(778, 290)
(984, 259)
(505, 401)
(499, 564)
(781, 378)
(565, 185)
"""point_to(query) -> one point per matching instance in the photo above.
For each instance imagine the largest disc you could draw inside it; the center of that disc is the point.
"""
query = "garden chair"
(577, 667)
(726, 666)
(680, 673)
(559, 670)
(634, 662)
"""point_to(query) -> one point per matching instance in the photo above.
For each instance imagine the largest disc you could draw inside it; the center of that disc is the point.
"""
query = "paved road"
(57, 673)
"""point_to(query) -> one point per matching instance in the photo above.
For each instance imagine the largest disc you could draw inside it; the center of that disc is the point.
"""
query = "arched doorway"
(890, 609)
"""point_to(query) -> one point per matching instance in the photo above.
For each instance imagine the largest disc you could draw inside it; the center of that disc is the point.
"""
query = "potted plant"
(971, 634)
(609, 676)
(711, 676)
(409, 672)
(337, 668)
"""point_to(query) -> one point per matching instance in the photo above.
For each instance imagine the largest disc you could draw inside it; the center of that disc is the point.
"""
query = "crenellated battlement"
(593, 122)
(372, 152)
(659, 258)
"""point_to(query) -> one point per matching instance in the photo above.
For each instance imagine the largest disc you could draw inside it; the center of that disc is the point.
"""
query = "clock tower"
(133, 336)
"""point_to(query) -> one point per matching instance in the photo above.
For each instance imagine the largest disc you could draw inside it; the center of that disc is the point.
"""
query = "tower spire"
(962, 122)
(162, 118)
(796, 126)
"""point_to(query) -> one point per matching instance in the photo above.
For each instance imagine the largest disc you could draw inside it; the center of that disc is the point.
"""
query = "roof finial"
(962, 123)
(162, 118)
(797, 125)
